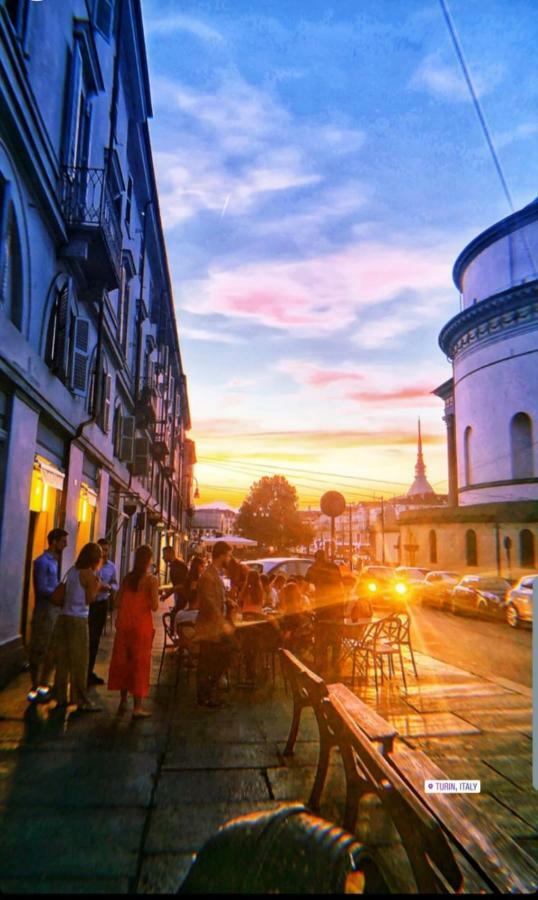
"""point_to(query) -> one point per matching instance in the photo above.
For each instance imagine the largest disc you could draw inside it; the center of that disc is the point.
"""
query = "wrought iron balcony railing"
(87, 202)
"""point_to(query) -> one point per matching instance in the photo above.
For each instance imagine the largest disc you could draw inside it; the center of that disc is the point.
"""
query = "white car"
(287, 565)
(518, 601)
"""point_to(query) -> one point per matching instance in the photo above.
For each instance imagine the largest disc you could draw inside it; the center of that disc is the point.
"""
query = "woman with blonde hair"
(71, 635)
(130, 664)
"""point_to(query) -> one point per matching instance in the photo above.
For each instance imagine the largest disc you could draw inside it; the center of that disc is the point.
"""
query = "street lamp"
(197, 489)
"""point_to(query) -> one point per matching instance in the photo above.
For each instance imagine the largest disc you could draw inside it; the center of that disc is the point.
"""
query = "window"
(467, 434)
(526, 549)
(57, 346)
(100, 395)
(129, 203)
(10, 259)
(78, 113)
(103, 15)
(521, 446)
(123, 309)
(471, 555)
(432, 540)
(117, 429)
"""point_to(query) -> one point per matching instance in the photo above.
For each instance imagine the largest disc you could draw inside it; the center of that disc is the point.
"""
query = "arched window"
(471, 556)
(467, 434)
(432, 540)
(10, 262)
(526, 549)
(521, 446)
(58, 332)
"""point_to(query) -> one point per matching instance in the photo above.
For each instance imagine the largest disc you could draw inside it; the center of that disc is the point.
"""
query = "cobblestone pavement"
(103, 803)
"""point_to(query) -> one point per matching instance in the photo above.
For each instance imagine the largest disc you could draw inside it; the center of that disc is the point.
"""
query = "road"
(485, 648)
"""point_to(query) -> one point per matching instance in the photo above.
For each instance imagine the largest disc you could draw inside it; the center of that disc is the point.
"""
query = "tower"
(421, 487)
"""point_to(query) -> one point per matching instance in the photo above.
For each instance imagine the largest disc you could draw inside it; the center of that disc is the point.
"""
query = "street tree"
(270, 514)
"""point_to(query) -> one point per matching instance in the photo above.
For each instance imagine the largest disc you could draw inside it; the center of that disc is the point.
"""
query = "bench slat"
(373, 725)
(500, 859)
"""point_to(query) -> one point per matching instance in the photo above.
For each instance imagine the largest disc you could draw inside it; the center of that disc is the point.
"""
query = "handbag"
(57, 598)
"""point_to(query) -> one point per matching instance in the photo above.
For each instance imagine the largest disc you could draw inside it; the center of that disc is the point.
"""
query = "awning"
(232, 539)
(51, 476)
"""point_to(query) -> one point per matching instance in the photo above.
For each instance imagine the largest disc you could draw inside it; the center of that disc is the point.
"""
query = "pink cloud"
(420, 392)
(322, 294)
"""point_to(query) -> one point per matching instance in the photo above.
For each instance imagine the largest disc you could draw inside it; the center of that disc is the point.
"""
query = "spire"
(421, 487)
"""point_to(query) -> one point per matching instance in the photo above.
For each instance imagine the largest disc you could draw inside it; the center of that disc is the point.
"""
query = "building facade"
(93, 397)
(216, 517)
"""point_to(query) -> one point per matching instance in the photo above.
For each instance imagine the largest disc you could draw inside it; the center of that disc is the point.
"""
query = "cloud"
(203, 334)
(178, 22)
(447, 81)
(322, 294)
(518, 133)
(406, 315)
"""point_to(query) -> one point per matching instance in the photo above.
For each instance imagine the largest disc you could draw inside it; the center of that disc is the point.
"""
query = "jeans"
(213, 661)
(97, 614)
(41, 653)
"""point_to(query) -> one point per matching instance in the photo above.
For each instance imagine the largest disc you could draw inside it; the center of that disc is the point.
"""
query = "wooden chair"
(381, 641)
(367, 771)
(405, 637)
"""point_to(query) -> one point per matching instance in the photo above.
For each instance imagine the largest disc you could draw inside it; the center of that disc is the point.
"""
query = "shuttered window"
(79, 360)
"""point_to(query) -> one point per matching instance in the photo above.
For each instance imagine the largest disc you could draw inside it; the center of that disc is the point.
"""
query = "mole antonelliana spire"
(421, 486)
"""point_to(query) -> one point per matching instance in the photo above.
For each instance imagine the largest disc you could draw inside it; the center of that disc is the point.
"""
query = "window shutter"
(79, 360)
(103, 14)
(107, 394)
(126, 453)
(72, 108)
(141, 456)
(58, 360)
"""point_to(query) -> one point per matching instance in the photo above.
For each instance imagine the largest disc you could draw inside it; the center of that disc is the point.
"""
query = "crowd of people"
(221, 607)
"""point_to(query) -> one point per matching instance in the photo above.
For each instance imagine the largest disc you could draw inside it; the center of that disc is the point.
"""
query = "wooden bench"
(500, 861)
(486, 857)
(309, 690)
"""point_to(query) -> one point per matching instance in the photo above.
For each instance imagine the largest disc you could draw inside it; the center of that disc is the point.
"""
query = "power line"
(358, 480)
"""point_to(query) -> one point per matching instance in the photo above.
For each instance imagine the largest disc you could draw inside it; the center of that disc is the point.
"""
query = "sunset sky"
(320, 167)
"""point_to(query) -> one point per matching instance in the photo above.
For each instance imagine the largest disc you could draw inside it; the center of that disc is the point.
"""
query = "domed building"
(491, 404)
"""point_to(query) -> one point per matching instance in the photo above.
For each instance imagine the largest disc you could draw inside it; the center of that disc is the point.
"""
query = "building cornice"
(490, 236)
(516, 308)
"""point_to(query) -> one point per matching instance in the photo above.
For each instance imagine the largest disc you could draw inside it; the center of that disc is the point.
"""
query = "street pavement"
(103, 803)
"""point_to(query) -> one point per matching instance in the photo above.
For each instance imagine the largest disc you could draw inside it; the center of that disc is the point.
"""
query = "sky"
(320, 166)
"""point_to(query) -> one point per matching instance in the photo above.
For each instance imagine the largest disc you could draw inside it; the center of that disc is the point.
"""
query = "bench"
(500, 861)
(486, 857)
(309, 691)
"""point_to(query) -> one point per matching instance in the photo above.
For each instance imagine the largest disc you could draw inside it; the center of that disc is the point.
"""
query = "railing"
(86, 201)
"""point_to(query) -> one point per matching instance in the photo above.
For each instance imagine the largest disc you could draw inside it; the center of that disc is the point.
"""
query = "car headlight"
(400, 588)
(372, 587)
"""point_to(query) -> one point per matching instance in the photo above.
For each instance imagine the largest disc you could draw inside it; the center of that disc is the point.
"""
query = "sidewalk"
(107, 804)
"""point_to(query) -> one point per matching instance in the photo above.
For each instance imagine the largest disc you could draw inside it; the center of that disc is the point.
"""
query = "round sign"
(332, 504)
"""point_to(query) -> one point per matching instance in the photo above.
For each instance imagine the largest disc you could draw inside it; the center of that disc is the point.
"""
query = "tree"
(270, 514)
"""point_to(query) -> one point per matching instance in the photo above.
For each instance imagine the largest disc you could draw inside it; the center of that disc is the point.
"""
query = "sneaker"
(44, 693)
(32, 696)
(95, 679)
(141, 714)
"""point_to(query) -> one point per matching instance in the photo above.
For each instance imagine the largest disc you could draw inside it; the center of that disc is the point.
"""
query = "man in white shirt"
(99, 609)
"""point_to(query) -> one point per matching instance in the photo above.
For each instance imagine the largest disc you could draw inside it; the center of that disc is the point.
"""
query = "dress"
(130, 665)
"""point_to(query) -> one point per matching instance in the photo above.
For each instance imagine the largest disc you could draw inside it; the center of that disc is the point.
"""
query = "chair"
(171, 640)
(405, 637)
(381, 641)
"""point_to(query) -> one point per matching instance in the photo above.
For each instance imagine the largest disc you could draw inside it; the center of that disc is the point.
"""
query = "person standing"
(213, 631)
(46, 577)
(71, 639)
(330, 609)
(130, 665)
(99, 608)
(179, 574)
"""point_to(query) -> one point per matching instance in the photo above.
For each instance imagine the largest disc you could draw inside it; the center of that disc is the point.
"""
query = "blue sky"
(320, 166)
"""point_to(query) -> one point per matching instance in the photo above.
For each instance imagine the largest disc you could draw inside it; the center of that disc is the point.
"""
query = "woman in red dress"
(131, 656)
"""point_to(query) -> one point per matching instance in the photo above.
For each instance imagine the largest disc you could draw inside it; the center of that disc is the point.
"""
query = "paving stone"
(483, 746)
(76, 779)
(164, 873)
(217, 732)
(530, 846)
(458, 705)
(523, 805)
(440, 724)
(517, 770)
(222, 756)
(40, 843)
(178, 829)
(296, 784)
(501, 720)
(504, 817)
(305, 754)
(211, 787)
(466, 688)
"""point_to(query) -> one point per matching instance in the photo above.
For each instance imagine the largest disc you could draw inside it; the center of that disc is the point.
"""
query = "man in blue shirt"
(98, 610)
(46, 578)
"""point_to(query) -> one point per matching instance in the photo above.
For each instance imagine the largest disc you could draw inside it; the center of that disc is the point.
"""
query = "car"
(379, 585)
(408, 580)
(437, 588)
(518, 601)
(481, 595)
(287, 565)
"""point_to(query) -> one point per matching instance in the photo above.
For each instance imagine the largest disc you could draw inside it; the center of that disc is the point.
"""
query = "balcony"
(146, 404)
(89, 211)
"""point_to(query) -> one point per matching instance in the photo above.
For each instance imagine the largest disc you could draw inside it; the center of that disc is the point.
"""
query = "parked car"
(481, 595)
(378, 583)
(518, 601)
(288, 565)
(437, 587)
